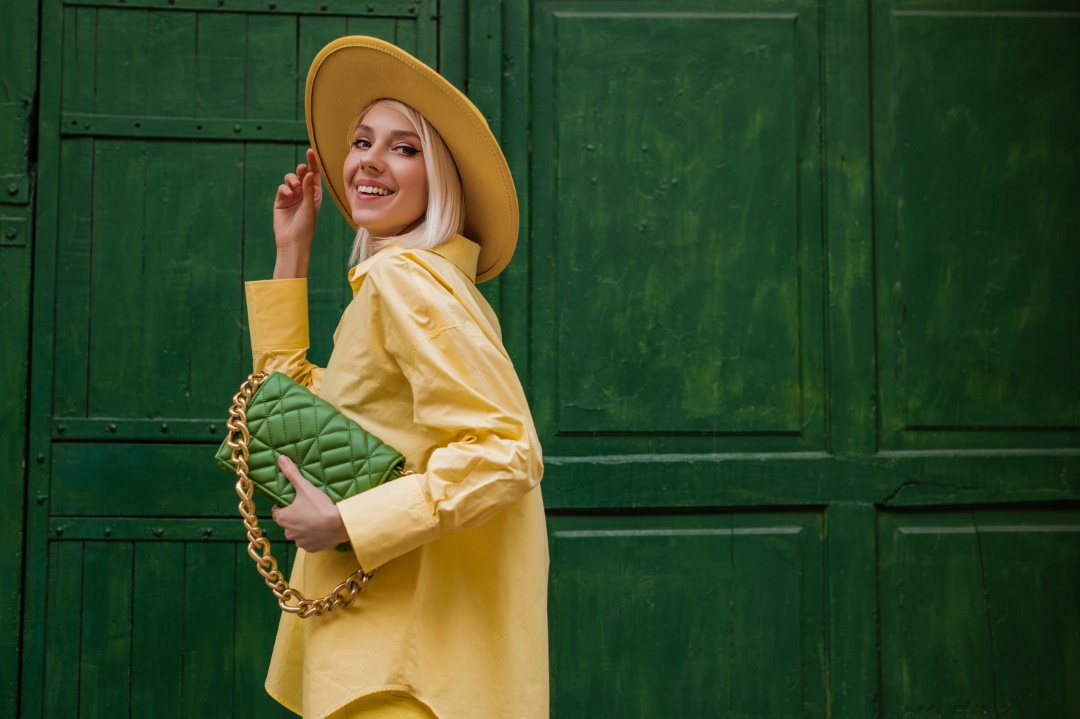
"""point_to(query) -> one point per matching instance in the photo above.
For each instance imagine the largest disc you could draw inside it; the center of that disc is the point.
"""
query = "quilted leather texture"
(335, 454)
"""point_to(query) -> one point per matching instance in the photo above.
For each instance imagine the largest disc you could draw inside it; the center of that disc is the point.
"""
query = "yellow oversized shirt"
(457, 616)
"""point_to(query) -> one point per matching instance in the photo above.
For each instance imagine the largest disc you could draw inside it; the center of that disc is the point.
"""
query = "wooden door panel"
(156, 627)
(698, 615)
(978, 613)
(675, 240)
(165, 131)
(976, 161)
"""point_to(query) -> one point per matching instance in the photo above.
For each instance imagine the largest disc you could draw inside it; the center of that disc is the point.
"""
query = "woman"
(455, 623)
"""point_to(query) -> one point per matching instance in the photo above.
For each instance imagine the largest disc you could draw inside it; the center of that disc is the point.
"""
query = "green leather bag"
(271, 416)
(333, 452)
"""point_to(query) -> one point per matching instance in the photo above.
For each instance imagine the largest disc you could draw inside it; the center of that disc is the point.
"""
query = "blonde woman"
(455, 624)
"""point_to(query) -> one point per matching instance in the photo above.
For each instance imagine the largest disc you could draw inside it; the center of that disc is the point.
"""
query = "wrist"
(291, 264)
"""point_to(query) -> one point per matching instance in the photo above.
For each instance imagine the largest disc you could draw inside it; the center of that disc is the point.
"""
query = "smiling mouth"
(366, 190)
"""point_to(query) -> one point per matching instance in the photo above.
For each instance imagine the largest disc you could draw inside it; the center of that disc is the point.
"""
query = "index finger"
(312, 161)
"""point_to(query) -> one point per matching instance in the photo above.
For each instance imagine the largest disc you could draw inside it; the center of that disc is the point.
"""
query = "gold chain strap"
(289, 599)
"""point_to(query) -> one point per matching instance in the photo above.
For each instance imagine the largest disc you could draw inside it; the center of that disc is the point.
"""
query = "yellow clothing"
(383, 706)
(457, 616)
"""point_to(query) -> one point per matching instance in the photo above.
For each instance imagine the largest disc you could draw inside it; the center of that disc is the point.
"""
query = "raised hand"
(296, 207)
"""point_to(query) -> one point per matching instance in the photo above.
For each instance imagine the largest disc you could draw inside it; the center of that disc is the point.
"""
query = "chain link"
(289, 599)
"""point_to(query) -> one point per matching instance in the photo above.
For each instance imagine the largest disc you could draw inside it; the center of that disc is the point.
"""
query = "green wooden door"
(164, 131)
(794, 303)
(804, 338)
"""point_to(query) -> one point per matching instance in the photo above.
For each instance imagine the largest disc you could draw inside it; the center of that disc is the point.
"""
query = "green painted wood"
(59, 692)
(19, 45)
(381, 8)
(852, 400)
(157, 670)
(975, 175)
(90, 478)
(104, 657)
(693, 615)
(208, 612)
(220, 65)
(266, 63)
(683, 318)
(73, 277)
(738, 525)
(852, 651)
(35, 579)
(978, 613)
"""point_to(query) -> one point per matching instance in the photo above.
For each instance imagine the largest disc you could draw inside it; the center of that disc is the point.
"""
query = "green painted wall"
(793, 301)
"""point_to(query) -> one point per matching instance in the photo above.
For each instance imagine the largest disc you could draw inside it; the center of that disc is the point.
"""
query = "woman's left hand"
(312, 520)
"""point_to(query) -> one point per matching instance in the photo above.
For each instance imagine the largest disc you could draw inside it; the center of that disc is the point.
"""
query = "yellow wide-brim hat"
(351, 73)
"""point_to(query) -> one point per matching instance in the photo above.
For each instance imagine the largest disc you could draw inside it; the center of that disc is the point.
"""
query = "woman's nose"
(371, 163)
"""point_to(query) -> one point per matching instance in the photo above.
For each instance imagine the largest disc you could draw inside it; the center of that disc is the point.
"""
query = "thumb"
(292, 473)
(312, 190)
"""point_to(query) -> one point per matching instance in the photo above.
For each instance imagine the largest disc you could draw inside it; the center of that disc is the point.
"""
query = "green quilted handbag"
(272, 415)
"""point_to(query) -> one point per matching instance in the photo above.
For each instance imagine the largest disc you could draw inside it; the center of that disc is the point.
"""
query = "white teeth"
(364, 189)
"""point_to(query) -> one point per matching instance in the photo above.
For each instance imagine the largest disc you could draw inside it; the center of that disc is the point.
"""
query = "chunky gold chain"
(289, 599)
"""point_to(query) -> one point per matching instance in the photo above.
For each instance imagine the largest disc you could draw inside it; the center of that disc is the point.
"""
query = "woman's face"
(385, 174)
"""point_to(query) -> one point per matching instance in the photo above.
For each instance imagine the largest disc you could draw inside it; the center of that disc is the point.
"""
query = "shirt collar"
(461, 251)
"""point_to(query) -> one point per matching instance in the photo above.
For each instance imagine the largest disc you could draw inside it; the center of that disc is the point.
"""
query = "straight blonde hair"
(445, 213)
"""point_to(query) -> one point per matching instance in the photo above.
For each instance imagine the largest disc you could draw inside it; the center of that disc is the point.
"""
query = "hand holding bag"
(272, 415)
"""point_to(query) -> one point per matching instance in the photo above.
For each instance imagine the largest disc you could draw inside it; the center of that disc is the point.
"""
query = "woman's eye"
(408, 151)
(362, 143)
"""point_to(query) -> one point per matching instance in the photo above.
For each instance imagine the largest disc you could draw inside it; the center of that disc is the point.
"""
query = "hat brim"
(351, 73)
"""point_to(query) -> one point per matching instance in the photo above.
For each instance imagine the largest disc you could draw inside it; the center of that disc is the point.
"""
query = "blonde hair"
(445, 213)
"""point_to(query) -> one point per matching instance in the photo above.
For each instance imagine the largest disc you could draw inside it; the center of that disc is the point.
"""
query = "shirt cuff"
(278, 314)
(388, 521)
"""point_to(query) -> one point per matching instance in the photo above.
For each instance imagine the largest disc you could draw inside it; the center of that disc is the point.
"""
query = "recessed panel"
(687, 616)
(977, 171)
(682, 231)
(979, 614)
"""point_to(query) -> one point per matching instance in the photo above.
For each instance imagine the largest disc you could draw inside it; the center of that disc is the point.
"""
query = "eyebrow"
(393, 133)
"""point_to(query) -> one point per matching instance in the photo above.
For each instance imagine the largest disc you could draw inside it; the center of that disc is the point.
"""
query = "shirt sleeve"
(467, 395)
(278, 322)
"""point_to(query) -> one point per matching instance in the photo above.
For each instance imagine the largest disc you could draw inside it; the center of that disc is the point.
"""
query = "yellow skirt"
(385, 705)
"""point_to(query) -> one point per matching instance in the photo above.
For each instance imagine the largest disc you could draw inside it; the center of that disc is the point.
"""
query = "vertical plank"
(38, 431)
(120, 69)
(157, 633)
(63, 630)
(271, 59)
(19, 38)
(221, 65)
(515, 286)
(852, 611)
(214, 274)
(852, 404)
(170, 63)
(80, 51)
(209, 608)
(380, 27)
(117, 317)
(167, 255)
(406, 36)
(105, 664)
(75, 224)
